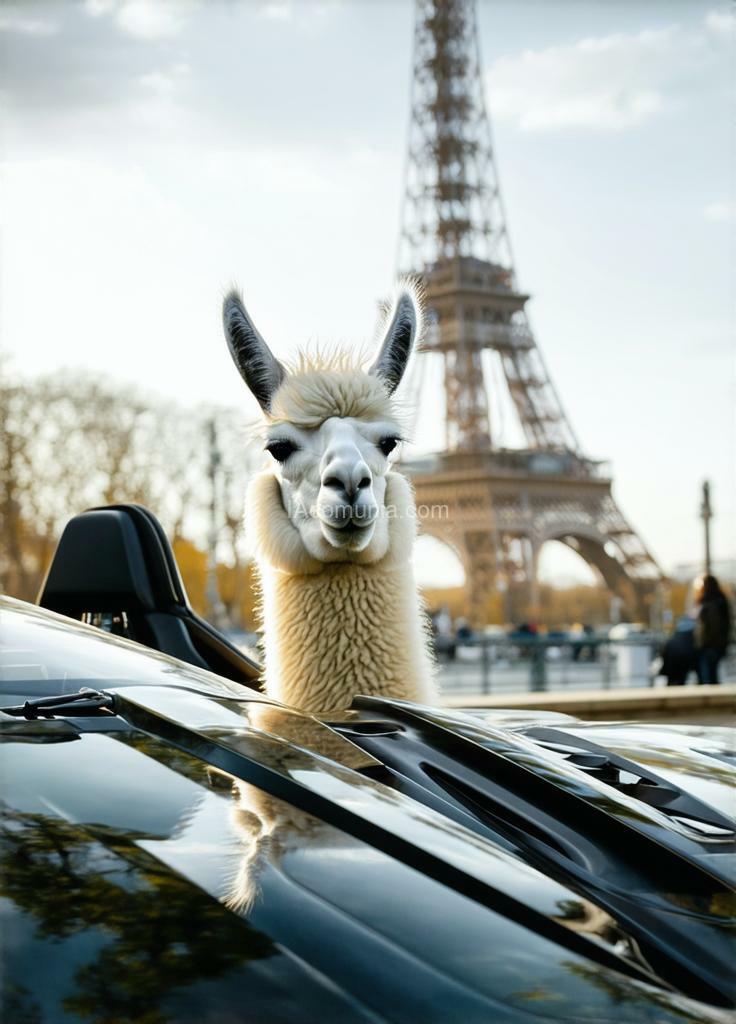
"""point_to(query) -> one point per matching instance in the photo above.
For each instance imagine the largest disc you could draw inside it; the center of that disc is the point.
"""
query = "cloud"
(13, 19)
(606, 83)
(111, 73)
(99, 7)
(164, 82)
(145, 19)
(284, 10)
(163, 19)
(278, 10)
(721, 212)
(722, 22)
(94, 80)
(154, 19)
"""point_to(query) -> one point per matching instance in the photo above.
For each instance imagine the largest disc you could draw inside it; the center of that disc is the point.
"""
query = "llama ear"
(403, 321)
(258, 366)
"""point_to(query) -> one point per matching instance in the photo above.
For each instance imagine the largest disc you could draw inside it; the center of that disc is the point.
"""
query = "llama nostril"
(334, 483)
(365, 482)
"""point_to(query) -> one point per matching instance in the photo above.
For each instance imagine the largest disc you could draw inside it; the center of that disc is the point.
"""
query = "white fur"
(333, 524)
(341, 613)
(352, 625)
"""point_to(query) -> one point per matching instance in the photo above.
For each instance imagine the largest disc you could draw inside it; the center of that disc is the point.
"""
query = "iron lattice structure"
(503, 505)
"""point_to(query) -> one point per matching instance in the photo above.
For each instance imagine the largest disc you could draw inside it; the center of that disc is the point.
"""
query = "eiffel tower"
(502, 504)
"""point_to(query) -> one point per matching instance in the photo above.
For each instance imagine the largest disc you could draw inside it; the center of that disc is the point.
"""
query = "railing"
(513, 461)
(489, 665)
(479, 335)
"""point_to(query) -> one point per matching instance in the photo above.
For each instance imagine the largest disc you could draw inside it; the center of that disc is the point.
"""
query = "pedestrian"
(712, 628)
(678, 653)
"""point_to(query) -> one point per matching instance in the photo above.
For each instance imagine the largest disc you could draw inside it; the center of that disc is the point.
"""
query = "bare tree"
(70, 441)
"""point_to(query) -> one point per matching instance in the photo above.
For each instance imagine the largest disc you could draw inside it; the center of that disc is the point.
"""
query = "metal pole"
(706, 514)
(485, 665)
(538, 674)
(214, 604)
(607, 655)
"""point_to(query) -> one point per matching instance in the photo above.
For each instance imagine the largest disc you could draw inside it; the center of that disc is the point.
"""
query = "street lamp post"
(706, 514)
(215, 606)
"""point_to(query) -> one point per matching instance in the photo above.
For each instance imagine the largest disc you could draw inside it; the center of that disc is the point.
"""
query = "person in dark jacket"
(678, 654)
(712, 628)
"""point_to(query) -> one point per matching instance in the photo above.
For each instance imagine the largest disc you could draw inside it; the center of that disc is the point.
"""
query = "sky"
(154, 152)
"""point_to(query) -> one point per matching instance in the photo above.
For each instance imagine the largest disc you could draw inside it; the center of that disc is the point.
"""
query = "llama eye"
(281, 450)
(387, 444)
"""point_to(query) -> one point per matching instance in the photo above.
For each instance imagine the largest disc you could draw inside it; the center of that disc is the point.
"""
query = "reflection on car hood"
(213, 856)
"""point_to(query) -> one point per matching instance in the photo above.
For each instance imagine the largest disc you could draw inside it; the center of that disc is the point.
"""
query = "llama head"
(332, 430)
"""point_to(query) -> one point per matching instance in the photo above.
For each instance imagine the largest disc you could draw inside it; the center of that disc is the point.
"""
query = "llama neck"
(345, 631)
(334, 630)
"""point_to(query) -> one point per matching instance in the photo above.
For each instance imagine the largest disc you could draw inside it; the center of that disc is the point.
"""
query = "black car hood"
(202, 858)
(203, 854)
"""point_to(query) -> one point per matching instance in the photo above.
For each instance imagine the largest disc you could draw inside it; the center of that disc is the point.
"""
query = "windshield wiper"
(86, 702)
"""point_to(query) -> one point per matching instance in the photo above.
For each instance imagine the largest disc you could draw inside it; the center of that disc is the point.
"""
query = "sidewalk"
(706, 705)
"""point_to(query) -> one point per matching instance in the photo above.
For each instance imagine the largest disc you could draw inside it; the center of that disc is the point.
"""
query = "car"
(178, 847)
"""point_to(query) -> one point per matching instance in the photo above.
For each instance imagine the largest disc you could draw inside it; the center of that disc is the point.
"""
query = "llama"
(332, 523)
